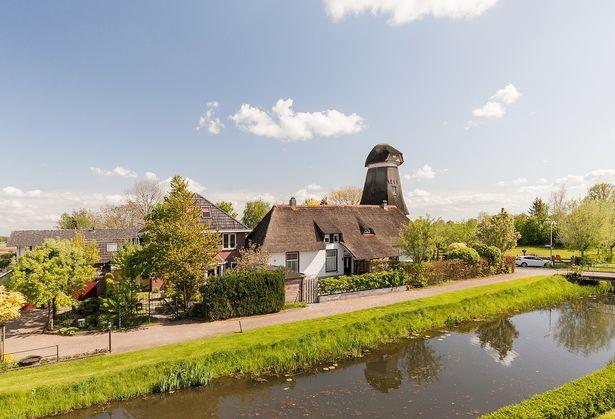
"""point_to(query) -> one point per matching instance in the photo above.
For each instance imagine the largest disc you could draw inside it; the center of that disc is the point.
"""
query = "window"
(331, 260)
(229, 241)
(327, 238)
(206, 212)
(111, 247)
(292, 261)
(336, 238)
(394, 189)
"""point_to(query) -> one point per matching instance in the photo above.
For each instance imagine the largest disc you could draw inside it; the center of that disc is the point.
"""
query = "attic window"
(206, 212)
(394, 189)
(111, 247)
(367, 230)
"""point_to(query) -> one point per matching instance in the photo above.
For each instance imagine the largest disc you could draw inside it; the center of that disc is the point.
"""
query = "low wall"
(359, 294)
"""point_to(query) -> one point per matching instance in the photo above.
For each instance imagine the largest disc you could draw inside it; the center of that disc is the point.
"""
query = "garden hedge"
(368, 281)
(587, 397)
(463, 252)
(243, 293)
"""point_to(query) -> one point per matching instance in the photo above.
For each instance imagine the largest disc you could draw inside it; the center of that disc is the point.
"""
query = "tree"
(586, 225)
(450, 232)
(346, 195)
(82, 219)
(179, 247)
(227, 207)
(54, 273)
(312, 202)
(602, 192)
(498, 230)
(10, 308)
(144, 196)
(123, 284)
(417, 238)
(252, 258)
(119, 216)
(538, 209)
(254, 212)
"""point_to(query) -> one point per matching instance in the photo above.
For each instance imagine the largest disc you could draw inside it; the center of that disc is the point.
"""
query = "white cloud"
(404, 11)
(16, 192)
(418, 193)
(283, 123)
(516, 182)
(495, 108)
(116, 171)
(209, 120)
(151, 176)
(311, 191)
(424, 173)
(313, 187)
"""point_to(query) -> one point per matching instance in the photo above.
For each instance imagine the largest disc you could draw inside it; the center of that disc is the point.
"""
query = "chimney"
(292, 202)
(384, 203)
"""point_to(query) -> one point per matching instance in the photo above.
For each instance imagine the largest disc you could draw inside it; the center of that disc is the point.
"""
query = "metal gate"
(309, 291)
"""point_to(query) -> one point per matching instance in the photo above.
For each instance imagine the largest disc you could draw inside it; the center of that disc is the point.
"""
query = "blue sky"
(86, 87)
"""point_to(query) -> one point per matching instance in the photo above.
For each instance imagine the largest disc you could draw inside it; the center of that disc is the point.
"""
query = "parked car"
(532, 261)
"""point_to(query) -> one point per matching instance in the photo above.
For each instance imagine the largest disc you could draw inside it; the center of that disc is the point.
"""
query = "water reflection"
(499, 335)
(584, 327)
(422, 362)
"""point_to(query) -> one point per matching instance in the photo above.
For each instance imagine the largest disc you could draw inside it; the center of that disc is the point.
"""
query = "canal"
(466, 371)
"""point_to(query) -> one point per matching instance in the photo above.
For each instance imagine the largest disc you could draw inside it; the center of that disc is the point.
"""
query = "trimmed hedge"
(369, 281)
(463, 252)
(439, 271)
(491, 253)
(242, 293)
(586, 397)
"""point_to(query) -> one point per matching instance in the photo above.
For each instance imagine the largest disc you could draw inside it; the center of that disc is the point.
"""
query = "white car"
(532, 261)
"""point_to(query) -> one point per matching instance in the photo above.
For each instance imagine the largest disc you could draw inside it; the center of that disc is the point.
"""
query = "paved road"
(26, 334)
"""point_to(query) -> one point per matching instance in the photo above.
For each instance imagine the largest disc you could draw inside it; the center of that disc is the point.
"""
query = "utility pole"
(2, 337)
(109, 337)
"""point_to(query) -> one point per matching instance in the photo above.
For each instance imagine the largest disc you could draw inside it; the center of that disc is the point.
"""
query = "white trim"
(383, 164)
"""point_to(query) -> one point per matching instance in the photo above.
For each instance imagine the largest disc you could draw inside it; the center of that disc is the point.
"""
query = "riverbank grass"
(587, 397)
(270, 350)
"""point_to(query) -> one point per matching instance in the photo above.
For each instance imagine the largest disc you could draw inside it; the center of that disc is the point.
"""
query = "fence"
(33, 359)
(309, 291)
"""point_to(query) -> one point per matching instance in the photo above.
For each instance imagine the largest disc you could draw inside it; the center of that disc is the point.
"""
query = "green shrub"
(368, 281)
(491, 253)
(586, 397)
(463, 252)
(440, 271)
(242, 293)
(68, 331)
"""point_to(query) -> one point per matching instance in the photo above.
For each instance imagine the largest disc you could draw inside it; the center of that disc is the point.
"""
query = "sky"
(492, 102)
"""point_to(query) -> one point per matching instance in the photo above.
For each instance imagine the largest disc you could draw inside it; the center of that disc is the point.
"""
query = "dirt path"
(25, 335)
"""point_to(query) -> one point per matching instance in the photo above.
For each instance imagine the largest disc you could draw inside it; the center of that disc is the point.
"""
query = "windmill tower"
(382, 182)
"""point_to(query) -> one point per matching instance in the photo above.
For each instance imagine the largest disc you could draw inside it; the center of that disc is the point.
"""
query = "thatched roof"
(301, 228)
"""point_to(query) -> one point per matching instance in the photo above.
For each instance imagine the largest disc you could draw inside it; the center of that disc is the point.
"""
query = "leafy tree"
(82, 219)
(10, 305)
(227, 207)
(179, 247)
(53, 273)
(119, 216)
(450, 232)
(602, 192)
(498, 230)
(538, 209)
(124, 284)
(346, 195)
(534, 230)
(586, 226)
(252, 258)
(254, 212)
(417, 238)
(312, 202)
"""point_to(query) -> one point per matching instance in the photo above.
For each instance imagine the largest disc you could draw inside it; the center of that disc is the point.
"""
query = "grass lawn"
(610, 415)
(544, 252)
(270, 350)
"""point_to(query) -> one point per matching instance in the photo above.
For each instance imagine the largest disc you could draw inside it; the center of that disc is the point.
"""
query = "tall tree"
(10, 308)
(416, 239)
(119, 216)
(254, 212)
(602, 192)
(227, 207)
(498, 230)
(144, 196)
(450, 232)
(81, 219)
(586, 226)
(312, 202)
(53, 273)
(179, 246)
(346, 195)
(538, 209)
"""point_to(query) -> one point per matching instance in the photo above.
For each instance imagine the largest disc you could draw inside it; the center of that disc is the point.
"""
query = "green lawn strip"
(274, 349)
(544, 251)
(587, 397)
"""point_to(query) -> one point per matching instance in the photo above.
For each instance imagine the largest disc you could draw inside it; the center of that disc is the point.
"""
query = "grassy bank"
(275, 349)
(587, 397)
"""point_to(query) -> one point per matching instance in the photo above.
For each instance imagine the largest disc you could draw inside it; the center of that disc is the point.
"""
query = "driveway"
(25, 334)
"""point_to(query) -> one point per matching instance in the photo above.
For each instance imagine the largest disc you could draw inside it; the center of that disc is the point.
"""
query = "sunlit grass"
(269, 350)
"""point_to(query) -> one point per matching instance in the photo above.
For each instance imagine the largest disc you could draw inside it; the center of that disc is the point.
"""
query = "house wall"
(313, 263)
(231, 255)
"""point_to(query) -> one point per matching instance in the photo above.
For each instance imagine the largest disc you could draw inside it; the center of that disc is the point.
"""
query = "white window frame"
(327, 238)
(112, 247)
(226, 241)
(208, 209)
(327, 257)
(294, 260)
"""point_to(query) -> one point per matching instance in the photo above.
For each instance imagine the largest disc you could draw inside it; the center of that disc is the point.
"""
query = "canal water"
(467, 371)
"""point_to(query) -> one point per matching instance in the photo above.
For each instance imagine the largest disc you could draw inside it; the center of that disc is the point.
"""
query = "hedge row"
(587, 397)
(242, 293)
(369, 281)
(439, 271)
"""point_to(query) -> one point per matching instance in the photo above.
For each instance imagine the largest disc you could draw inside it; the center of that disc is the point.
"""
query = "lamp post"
(2, 337)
